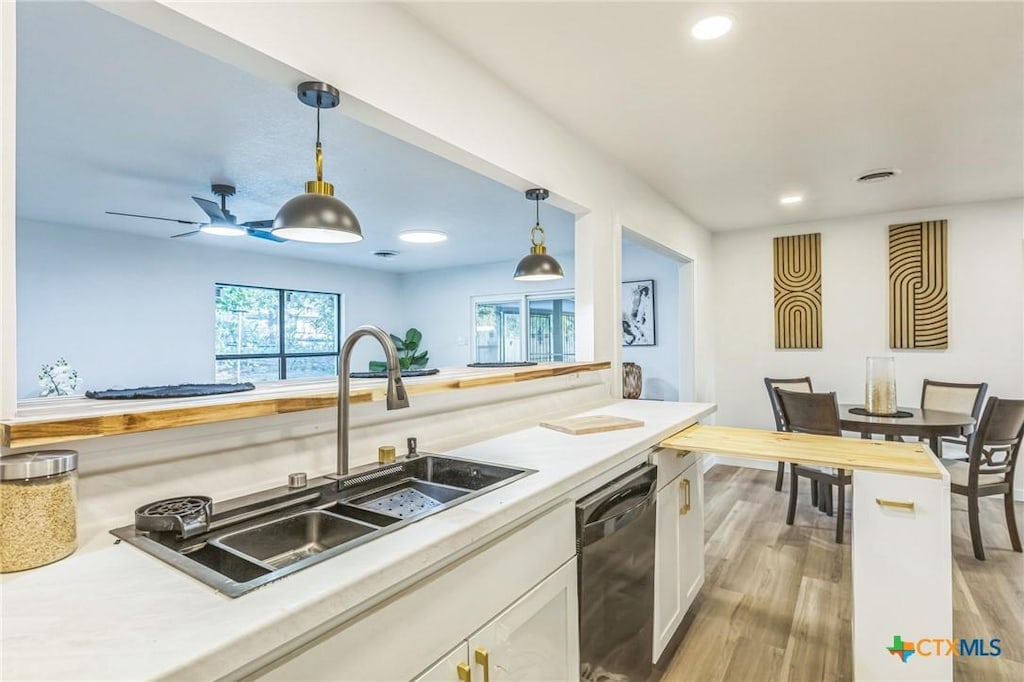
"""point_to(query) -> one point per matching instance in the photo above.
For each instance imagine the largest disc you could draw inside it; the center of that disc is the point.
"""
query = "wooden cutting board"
(596, 423)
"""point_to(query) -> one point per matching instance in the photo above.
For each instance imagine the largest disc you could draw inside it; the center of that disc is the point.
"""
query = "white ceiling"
(799, 97)
(114, 117)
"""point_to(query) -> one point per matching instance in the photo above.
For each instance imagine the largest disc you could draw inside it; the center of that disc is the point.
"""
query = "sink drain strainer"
(402, 503)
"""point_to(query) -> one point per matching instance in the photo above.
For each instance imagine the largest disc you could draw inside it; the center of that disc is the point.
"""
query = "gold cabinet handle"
(483, 658)
(465, 674)
(684, 485)
(899, 504)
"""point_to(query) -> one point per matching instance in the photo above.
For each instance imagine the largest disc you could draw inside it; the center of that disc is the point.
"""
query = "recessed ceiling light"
(878, 174)
(790, 199)
(423, 236)
(712, 27)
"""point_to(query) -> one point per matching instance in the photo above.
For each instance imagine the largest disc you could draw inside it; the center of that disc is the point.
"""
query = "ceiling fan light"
(223, 230)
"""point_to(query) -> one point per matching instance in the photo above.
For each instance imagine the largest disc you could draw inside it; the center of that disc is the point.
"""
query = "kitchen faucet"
(396, 397)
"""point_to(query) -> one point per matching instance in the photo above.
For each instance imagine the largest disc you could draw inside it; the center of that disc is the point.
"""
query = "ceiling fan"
(222, 221)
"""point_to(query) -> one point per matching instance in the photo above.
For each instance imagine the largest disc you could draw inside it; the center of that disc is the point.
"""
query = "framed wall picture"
(638, 328)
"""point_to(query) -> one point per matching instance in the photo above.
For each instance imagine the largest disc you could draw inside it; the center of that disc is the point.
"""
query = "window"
(552, 334)
(549, 334)
(498, 336)
(270, 334)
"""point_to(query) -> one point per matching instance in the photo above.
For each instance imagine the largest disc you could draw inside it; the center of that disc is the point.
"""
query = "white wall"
(660, 363)
(8, 88)
(397, 75)
(437, 302)
(130, 311)
(986, 288)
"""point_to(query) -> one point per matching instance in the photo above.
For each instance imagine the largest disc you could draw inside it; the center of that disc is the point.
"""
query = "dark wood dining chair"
(816, 413)
(950, 397)
(801, 384)
(989, 469)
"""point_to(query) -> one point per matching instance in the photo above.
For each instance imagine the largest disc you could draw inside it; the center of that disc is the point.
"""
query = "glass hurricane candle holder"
(880, 386)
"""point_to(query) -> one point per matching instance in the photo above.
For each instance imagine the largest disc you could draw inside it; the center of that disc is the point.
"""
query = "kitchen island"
(112, 612)
(416, 603)
(902, 558)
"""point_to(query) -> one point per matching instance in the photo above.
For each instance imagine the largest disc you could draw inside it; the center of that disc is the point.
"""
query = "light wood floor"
(776, 600)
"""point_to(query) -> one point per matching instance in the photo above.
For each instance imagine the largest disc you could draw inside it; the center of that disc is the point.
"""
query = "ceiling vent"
(878, 174)
(385, 254)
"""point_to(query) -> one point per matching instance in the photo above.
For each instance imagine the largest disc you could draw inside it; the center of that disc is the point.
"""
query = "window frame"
(282, 356)
(523, 299)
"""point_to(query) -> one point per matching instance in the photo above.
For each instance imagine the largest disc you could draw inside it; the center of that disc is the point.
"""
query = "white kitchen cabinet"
(454, 666)
(902, 575)
(433, 618)
(691, 534)
(534, 640)
(679, 551)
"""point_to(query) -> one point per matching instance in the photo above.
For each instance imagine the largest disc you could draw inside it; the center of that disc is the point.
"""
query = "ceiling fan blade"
(211, 209)
(265, 234)
(185, 234)
(153, 217)
(259, 224)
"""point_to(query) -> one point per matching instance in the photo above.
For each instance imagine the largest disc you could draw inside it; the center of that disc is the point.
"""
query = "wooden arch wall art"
(798, 291)
(918, 296)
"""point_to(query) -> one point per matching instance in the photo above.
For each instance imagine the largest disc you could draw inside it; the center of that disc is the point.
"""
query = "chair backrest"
(997, 441)
(948, 397)
(810, 412)
(799, 384)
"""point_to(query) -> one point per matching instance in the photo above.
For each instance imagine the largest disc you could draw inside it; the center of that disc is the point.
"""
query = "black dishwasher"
(615, 541)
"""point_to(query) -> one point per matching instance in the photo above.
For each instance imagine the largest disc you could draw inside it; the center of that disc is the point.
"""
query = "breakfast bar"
(901, 521)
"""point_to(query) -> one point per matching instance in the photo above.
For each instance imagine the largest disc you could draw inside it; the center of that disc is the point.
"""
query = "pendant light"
(317, 216)
(538, 266)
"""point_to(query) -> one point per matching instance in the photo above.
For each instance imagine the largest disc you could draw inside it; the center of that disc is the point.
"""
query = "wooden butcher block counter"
(854, 454)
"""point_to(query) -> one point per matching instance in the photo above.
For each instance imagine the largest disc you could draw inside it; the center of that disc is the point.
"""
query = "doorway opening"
(657, 320)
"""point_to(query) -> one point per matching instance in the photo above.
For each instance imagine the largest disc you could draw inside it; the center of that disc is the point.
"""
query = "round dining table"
(932, 425)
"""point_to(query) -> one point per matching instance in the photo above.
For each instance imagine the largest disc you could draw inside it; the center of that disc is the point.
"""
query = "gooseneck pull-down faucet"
(396, 396)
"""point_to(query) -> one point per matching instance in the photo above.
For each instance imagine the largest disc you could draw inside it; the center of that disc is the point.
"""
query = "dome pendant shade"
(538, 265)
(318, 216)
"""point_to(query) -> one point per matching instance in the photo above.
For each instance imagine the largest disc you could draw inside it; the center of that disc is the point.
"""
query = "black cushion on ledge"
(384, 375)
(177, 391)
(501, 364)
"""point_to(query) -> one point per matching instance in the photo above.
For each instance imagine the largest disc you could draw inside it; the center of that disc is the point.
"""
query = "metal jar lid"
(37, 464)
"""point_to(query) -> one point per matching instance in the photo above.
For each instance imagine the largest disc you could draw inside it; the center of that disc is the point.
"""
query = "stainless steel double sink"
(256, 539)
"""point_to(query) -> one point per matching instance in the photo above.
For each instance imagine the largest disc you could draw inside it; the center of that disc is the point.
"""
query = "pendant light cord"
(319, 149)
(537, 204)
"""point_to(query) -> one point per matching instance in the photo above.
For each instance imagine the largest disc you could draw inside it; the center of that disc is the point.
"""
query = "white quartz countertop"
(112, 612)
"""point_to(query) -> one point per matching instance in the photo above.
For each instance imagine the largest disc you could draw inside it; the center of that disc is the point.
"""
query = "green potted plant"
(408, 355)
